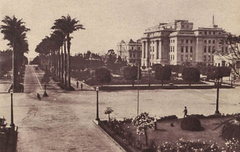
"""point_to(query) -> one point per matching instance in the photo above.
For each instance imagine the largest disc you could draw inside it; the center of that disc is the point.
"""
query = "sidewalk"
(85, 86)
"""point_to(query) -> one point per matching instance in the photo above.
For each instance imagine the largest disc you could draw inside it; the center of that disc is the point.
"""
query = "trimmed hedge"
(191, 123)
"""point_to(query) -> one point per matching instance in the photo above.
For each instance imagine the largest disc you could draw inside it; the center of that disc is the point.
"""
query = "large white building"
(178, 43)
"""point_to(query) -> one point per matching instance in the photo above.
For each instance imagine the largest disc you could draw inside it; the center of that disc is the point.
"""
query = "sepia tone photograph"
(119, 76)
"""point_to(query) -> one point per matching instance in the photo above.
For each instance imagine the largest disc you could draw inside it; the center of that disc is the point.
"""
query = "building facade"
(177, 43)
(130, 51)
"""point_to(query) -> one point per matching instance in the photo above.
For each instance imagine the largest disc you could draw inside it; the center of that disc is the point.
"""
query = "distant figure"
(77, 83)
(185, 112)
(21, 88)
(38, 96)
(81, 86)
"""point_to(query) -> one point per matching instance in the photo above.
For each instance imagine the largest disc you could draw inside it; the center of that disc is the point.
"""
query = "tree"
(131, 73)
(142, 122)
(111, 58)
(67, 25)
(14, 31)
(233, 54)
(108, 111)
(103, 75)
(191, 75)
(163, 73)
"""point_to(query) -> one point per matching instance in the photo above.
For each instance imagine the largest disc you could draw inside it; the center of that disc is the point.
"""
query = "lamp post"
(12, 124)
(97, 116)
(217, 101)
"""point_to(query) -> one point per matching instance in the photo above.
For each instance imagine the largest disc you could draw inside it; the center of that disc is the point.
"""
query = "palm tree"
(67, 25)
(14, 31)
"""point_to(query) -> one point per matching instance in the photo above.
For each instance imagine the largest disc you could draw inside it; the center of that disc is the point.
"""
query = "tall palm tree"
(14, 31)
(67, 25)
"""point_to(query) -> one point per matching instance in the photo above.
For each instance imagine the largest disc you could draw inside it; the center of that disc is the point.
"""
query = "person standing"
(81, 86)
(185, 112)
(77, 83)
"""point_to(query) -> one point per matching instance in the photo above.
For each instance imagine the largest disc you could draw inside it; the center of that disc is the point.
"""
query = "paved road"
(56, 123)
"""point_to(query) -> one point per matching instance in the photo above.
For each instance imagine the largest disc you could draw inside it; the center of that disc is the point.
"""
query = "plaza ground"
(63, 121)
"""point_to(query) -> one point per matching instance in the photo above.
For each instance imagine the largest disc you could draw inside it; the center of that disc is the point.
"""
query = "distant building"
(177, 43)
(130, 51)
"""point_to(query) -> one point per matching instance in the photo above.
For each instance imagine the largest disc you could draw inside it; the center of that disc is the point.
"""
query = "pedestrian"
(38, 96)
(81, 86)
(185, 112)
(77, 83)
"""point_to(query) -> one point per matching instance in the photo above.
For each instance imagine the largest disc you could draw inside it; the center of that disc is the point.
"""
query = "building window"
(205, 32)
(157, 49)
(186, 57)
(204, 58)
(222, 50)
(139, 55)
(213, 49)
(182, 49)
(133, 55)
(191, 49)
(186, 41)
(213, 33)
(209, 41)
(173, 48)
(191, 58)
(173, 57)
(205, 41)
(182, 40)
(209, 58)
(226, 49)
(173, 41)
(209, 49)
(210, 32)
(213, 41)
(181, 57)
(190, 41)
(200, 32)
(205, 49)
(186, 49)
(130, 55)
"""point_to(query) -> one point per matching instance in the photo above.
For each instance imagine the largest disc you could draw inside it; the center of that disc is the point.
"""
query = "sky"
(107, 22)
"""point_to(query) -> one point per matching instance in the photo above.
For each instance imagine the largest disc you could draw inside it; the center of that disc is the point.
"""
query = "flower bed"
(170, 138)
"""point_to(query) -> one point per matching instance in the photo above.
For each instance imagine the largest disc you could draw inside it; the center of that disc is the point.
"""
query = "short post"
(45, 93)
(97, 116)
(12, 124)
(155, 123)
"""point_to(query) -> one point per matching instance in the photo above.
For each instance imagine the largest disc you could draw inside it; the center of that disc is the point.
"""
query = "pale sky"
(107, 22)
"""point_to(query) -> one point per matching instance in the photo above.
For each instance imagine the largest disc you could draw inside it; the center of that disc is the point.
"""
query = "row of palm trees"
(54, 51)
(14, 30)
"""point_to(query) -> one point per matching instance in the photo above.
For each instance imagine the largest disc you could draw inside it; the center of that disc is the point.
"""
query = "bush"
(191, 123)
(231, 130)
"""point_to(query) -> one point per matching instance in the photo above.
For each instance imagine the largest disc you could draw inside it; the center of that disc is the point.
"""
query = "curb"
(96, 123)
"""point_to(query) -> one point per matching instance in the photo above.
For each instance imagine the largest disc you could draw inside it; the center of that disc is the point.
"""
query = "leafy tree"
(108, 111)
(67, 25)
(233, 54)
(163, 73)
(111, 58)
(142, 122)
(191, 75)
(131, 73)
(103, 75)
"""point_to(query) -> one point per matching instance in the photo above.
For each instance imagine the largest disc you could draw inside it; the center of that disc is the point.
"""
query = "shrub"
(191, 123)
(231, 130)
(191, 75)
(103, 75)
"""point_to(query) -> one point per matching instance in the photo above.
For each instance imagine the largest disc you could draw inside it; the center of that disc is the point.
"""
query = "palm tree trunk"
(65, 66)
(146, 136)
(62, 66)
(69, 62)
(59, 64)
